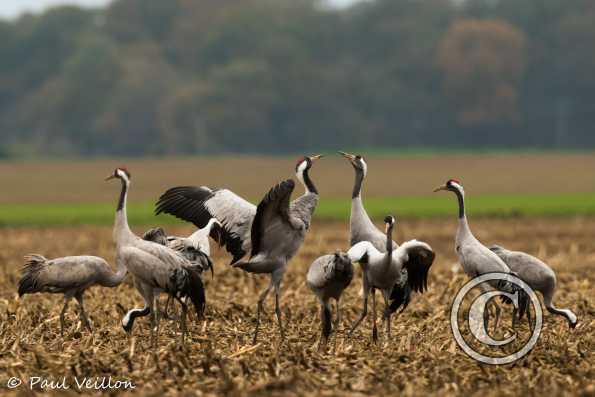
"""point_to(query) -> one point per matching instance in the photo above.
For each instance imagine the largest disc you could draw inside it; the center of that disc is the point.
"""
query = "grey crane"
(362, 228)
(272, 232)
(539, 276)
(194, 248)
(71, 276)
(476, 258)
(382, 270)
(156, 268)
(199, 204)
(328, 276)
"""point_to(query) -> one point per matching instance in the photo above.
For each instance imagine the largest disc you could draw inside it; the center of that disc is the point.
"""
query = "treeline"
(274, 76)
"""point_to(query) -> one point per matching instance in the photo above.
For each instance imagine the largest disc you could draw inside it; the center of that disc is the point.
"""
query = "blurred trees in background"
(276, 76)
(483, 62)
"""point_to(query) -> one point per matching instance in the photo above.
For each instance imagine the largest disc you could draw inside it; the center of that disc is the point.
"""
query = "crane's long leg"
(166, 309)
(498, 312)
(277, 284)
(529, 320)
(183, 319)
(387, 315)
(83, 314)
(364, 313)
(147, 294)
(325, 320)
(261, 300)
(486, 312)
(338, 316)
(337, 321)
(374, 328)
(154, 321)
(67, 299)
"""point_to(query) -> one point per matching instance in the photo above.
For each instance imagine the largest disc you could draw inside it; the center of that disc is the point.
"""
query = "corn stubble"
(218, 357)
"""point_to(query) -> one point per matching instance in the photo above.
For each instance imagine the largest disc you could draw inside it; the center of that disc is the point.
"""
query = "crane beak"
(347, 155)
(314, 158)
(110, 177)
(439, 188)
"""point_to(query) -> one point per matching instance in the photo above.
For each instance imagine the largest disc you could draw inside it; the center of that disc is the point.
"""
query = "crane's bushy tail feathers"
(421, 258)
(400, 297)
(34, 263)
(198, 258)
(325, 317)
(193, 288)
(343, 268)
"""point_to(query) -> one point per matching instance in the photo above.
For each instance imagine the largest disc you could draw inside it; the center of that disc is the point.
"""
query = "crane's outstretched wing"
(420, 258)
(199, 204)
(360, 251)
(272, 214)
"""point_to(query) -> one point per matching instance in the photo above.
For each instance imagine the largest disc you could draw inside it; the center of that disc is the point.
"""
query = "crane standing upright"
(155, 268)
(382, 270)
(272, 232)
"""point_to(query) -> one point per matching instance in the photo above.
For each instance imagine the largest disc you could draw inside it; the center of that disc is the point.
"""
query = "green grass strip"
(440, 204)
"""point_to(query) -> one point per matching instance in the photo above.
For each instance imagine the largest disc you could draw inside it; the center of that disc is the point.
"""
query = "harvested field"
(75, 181)
(421, 358)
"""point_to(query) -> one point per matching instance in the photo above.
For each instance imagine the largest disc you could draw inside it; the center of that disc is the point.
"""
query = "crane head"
(120, 173)
(389, 220)
(450, 185)
(356, 161)
(305, 162)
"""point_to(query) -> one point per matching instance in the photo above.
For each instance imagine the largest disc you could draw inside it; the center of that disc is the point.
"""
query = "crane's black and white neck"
(456, 187)
(361, 170)
(121, 226)
(361, 226)
(302, 169)
(389, 221)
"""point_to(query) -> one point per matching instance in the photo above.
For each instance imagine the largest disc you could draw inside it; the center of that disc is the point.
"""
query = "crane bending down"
(539, 276)
(328, 276)
(272, 232)
(475, 257)
(199, 240)
(155, 268)
(361, 228)
(195, 248)
(71, 276)
(382, 270)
